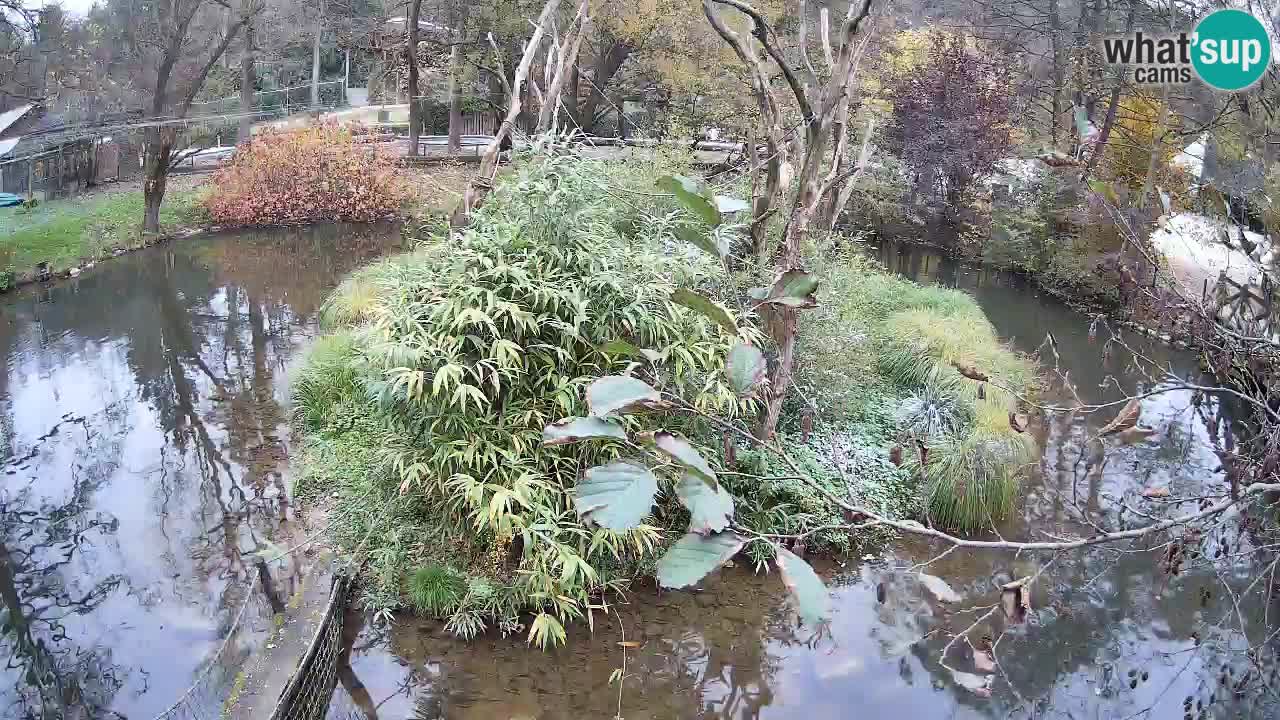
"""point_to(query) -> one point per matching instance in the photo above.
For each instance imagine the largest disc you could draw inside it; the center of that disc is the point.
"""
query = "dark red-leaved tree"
(951, 116)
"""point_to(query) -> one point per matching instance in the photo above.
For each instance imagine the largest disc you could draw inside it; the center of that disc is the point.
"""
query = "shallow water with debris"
(143, 416)
(144, 436)
(1108, 633)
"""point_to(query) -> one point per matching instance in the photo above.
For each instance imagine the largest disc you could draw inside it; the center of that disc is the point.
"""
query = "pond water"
(143, 433)
(143, 422)
(1108, 635)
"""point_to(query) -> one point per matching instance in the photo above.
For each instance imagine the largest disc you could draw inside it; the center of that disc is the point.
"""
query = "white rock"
(939, 589)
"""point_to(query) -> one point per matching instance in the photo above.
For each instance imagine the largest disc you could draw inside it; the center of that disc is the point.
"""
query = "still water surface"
(144, 429)
(143, 433)
(1109, 634)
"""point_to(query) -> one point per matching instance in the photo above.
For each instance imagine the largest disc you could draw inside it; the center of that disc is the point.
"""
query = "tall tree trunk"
(606, 66)
(159, 150)
(548, 117)
(455, 100)
(482, 183)
(315, 59)
(571, 104)
(1110, 120)
(1056, 76)
(411, 55)
(248, 78)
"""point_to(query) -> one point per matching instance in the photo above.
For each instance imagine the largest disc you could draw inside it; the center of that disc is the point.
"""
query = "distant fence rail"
(73, 158)
(100, 154)
(282, 101)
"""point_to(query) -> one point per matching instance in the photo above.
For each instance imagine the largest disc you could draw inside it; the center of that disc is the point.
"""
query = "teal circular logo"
(1231, 50)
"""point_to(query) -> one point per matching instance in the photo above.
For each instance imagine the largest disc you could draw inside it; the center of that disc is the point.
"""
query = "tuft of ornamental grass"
(436, 591)
(922, 348)
(971, 477)
(931, 411)
(325, 382)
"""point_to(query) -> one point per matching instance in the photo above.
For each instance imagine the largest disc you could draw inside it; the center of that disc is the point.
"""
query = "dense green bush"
(450, 360)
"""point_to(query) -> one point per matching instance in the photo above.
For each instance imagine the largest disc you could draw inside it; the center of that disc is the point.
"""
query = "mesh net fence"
(307, 695)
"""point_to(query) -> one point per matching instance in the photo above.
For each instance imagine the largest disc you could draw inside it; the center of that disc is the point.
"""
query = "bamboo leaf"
(744, 367)
(695, 556)
(707, 307)
(792, 288)
(626, 349)
(680, 450)
(690, 194)
(616, 496)
(574, 429)
(710, 505)
(704, 240)
(620, 394)
(806, 588)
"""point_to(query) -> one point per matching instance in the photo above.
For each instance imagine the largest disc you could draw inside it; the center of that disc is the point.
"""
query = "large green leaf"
(694, 556)
(706, 306)
(616, 496)
(691, 194)
(620, 394)
(806, 587)
(792, 288)
(710, 505)
(680, 450)
(744, 367)
(702, 239)
(573, 429)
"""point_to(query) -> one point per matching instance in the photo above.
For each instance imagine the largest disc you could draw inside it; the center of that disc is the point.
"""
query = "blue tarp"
(9, 199)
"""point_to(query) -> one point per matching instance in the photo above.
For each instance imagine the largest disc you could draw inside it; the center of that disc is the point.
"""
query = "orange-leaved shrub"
(313, 174)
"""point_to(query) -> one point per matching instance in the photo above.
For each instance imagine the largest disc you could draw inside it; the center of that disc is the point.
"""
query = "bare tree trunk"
(315, 59)
(1157, 146)
(1056, 76)
(159, 151)
(547, 117)
(411, 56)
(248, 78)
(482, 183)
(571, 105)
(759, 203)
(825, 113)
(606, 67)
(455, 101)
(1110, 121)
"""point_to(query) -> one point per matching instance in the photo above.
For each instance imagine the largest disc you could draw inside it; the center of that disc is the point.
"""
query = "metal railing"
(283, 101)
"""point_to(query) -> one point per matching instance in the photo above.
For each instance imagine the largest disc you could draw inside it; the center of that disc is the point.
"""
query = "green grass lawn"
(66, 232)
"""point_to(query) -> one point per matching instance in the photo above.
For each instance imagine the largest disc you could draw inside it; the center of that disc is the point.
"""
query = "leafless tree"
(820, 144)
(180, 41)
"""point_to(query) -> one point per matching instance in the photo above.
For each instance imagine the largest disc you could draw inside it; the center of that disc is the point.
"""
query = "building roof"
(10, 117)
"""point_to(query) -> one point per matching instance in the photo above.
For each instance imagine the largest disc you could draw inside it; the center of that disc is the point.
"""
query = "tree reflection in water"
(53, 673)
(129, 543)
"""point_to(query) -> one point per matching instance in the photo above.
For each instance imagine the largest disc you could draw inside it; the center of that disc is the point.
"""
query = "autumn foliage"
(315, 174)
